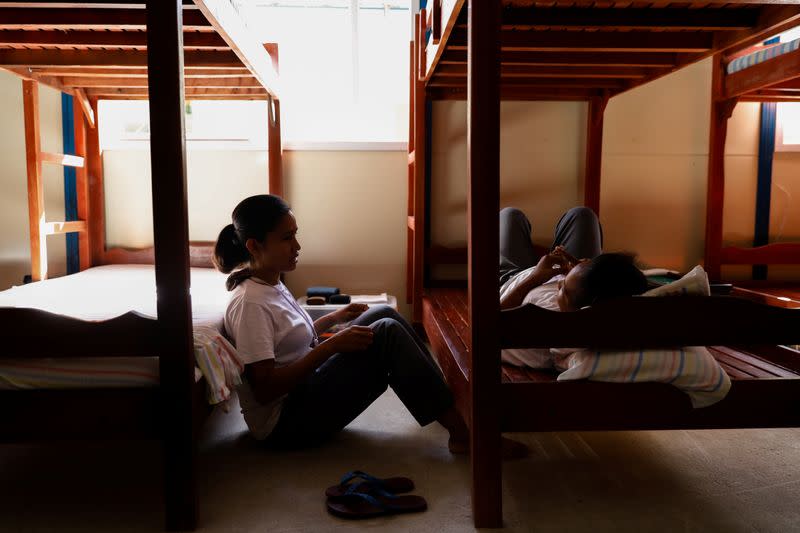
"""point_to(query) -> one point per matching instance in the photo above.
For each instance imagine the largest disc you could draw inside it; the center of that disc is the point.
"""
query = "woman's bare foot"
(510, 449)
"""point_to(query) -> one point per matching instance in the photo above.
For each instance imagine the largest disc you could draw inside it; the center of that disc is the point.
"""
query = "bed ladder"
(415, 248)
(35, 158)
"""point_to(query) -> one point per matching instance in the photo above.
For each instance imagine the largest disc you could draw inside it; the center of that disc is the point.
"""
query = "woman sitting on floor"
(298, 391)
(573, 275)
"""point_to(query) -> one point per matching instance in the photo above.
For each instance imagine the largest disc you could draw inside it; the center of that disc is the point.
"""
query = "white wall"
(350, 208)
(14, 235)
(655, 157)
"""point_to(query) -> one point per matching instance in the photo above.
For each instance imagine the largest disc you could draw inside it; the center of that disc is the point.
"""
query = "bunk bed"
(766, 73)
(485, 52)
(165, 52)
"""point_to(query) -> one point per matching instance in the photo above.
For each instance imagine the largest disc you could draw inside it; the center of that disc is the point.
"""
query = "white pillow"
(695, 282)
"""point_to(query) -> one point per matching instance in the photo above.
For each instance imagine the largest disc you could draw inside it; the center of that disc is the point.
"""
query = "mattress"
(764, 54)
(102, 293)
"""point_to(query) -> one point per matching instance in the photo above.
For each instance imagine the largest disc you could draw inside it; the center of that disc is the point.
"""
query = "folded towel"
(382, 298)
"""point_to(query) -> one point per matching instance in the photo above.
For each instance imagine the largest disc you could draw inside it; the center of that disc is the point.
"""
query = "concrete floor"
(727, 481)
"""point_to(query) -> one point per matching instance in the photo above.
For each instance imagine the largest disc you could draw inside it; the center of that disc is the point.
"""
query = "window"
(125, 124)
(787, 131)
(344, 79)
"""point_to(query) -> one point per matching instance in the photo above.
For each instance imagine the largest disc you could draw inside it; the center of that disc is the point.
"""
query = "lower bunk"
(764, 392)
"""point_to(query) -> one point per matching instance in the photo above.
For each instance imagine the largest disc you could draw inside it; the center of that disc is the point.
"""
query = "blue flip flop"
(393, 485)
(366, 500)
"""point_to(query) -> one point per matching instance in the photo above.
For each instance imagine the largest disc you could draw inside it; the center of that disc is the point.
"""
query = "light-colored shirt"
(264, 322)
(545, 296)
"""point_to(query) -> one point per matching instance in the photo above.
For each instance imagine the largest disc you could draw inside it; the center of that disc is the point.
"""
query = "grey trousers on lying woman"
(347, 383)
(578, 231)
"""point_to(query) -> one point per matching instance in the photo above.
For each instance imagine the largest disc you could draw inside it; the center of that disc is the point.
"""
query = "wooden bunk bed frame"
(487, 51)
(773, 80)
(165, 52)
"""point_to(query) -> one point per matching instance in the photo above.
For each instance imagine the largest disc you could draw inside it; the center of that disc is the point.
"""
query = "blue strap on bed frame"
(70, 191)
(766, 151)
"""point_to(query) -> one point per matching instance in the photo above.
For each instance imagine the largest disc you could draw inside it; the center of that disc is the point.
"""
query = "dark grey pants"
(347, 383)
(578, 231)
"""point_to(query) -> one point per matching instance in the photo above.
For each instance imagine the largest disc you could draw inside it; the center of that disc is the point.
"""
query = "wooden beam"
(483, 206)
(85, 106)
(594, 153)
(418, 177)
(721, 111)
(143, 91)
(574, 59)
(98, 18)
(109, 58)
(61, 159)
(763, 75)
(93, 38)
(80, 117)
(193, 82)
(595, 18)
(780, 253)
(771, 21)
(171, 244)
(563, 41)
(96, 191)
(58, 228)
(538, 83)
(532, 71)
(135, 72)
(36, 215)
(275, 148)
(228, 23)
(521, 94)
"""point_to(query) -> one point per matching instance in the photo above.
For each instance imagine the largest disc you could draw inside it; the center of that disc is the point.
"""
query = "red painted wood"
(96, 204)
(275, 151)
(594, 153)
(171, 243)
(483, 204)
(782, 253)
(82, 184)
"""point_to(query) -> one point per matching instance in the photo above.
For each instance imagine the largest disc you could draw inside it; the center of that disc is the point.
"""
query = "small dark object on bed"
(325, 292)
(721, 289)
(315, 300)
(339, 299)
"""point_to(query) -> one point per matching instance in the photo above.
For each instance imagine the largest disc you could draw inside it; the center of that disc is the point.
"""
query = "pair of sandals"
(360, 495)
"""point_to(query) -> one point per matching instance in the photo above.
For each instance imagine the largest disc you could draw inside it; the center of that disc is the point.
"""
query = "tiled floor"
(726, 481)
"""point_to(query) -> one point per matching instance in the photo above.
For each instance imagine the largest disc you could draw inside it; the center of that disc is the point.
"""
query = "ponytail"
(253, 218)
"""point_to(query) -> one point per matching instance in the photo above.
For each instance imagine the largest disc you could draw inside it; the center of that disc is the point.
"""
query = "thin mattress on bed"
(102, 293)
(763, 54)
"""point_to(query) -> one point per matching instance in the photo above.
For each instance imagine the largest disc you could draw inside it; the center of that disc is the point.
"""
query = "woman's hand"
(556, 262)
(351, 339)
(349, 313)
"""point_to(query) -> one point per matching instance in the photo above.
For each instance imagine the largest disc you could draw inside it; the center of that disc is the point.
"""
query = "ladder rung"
(412, 157)
(411, 223)
(57, 228)
(62, 159)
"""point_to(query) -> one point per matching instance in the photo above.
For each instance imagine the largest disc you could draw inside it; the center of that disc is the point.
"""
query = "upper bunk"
(567, 50)
(98, 50)
(767, 72)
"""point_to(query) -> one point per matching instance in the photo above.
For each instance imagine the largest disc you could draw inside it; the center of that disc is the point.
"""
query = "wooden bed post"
(81, 185)
(412, 81)
(594, 152)
(419, 222)
(275, 151)
(33, 159)
(96, 204)
(483, 205)
(721, 111)
(171, 243)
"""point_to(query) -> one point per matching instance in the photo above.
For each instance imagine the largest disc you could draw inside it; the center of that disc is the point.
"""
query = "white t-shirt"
(264, 322)
(546, 296)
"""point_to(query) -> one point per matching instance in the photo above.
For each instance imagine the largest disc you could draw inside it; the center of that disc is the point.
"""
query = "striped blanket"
(216, 360)
(764, 54)
(692, 369)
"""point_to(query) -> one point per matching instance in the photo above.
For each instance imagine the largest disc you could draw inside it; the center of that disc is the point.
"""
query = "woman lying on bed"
(298, 391)
(573, 275)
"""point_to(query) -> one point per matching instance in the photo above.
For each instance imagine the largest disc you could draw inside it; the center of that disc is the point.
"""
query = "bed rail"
(633, 323)
(36, 333)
